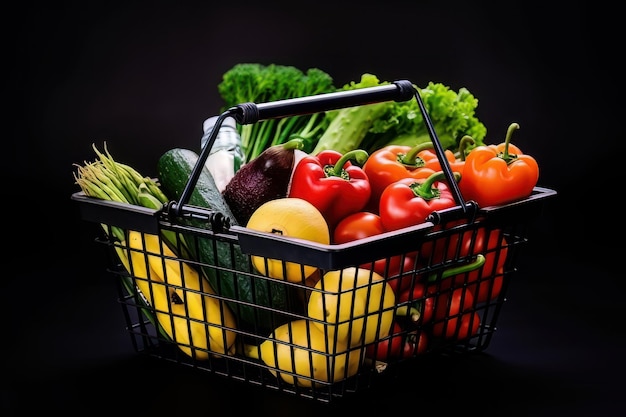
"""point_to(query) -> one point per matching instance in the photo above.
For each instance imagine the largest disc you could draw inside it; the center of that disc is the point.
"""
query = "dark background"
(143, 77)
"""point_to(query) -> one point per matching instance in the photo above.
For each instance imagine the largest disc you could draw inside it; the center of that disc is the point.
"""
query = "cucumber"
(174, 170)
(223, 259)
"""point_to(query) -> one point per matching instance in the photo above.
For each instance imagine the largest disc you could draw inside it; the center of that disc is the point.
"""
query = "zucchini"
(227, 268)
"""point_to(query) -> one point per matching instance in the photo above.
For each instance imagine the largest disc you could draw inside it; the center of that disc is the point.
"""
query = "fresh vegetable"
(184, 302)
(371, 127)
(332, 183)
(485, 282)
(453, 115)
(264, 178)
(416, 296)
(349, 125)
(455, 315)
(499, 174)
(220, 258)
(174, 169)
(176, 312)
(258, 83)
(431, 160)
(291, 217)
(108, 179)
(402, 273)
(364, 224)
(356, 226)
(392, 163)
(408, 202)
(301, 354)
(466, 145)
(353, 305)
(422, 293)
(399, 344)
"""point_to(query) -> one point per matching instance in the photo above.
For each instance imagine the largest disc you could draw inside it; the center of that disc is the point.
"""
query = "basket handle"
(248, 113)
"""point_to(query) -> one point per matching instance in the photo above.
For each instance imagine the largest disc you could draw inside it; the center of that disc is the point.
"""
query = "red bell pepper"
(455, 316)
(432, 290)
(334, 185)
(419, 307)
(409, 202)
(484, 282)
(401, 272)
(399, 344)
(392, 163)
(499, 174)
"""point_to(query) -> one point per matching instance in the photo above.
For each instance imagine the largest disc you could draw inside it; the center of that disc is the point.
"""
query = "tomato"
(357, 226)
(365, 224)
(454, 315)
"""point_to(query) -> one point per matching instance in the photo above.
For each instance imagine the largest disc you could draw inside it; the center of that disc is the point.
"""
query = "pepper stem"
(464, 145)
(410, 159)
(357, 155)
(508, 158)
(426, 190)
(462, 269)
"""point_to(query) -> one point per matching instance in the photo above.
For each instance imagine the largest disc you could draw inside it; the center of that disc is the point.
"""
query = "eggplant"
(264, 178)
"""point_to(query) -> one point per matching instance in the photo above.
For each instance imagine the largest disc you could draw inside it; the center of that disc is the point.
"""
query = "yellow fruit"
(298, 347)
(291, 217)
(181, 298)
(355, 305)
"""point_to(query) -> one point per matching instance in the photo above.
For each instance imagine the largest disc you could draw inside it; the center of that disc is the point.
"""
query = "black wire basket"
(304, 337)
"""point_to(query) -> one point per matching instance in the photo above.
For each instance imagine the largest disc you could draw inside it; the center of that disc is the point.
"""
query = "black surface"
(143, 78)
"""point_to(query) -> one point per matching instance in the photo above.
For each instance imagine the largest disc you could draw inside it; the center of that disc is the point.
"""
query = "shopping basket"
(447, 292)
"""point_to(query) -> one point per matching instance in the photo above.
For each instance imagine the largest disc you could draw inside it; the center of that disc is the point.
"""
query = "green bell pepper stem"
(410, 159)
(357, 155)
(464, 145)
(426, 190)
(508, 158)
(461, 269)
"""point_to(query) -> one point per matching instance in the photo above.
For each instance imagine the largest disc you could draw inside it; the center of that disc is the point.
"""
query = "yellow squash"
(300, 354)
(181, 298)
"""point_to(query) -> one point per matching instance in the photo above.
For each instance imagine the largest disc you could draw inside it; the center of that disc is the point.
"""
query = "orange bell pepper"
(498, 174)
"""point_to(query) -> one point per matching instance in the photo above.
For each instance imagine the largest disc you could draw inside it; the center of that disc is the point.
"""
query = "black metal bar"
(248, 113)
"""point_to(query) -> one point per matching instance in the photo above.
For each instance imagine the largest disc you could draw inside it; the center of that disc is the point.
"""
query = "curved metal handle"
(248, 113)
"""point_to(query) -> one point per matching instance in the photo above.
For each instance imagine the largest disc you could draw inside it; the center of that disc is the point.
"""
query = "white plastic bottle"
(226, 155)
